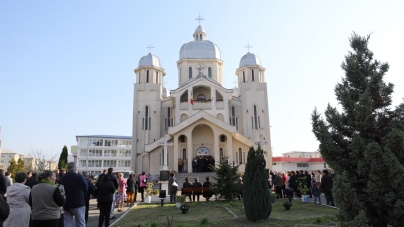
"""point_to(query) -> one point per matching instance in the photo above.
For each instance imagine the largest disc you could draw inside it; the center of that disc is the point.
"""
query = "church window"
(165, 124)
(244, 157)
(184, 153)
(146, 120)
(255, 117)
(190, 72)
(201, 97)
(232, 118)
(259, 122)
(139, 78)
(236, 157)
(252, 74)
(221, 154)
(182, 139)
(237, 123)
(169, 116)
(243, 77)
(222, 138)
(240, 154)
(210, 72)
(200, 36)
(157, 77)
(147, 77)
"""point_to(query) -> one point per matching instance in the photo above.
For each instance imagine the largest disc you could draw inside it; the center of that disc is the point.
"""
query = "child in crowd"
(316, 193)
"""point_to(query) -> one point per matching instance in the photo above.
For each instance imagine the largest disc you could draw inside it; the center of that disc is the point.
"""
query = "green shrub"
(204, 221)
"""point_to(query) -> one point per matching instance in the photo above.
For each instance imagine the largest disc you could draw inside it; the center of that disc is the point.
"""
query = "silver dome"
(200, 29)
(249, 59)
(200, 49)
(150, 60)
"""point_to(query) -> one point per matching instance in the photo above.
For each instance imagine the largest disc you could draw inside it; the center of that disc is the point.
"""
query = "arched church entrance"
(202, 141)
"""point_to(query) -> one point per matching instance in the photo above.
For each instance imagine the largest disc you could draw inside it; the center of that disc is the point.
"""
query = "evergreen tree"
(62, 164)
(364, 142)
(20, 166)
(226, 180)
(12, 168)
(256, 195)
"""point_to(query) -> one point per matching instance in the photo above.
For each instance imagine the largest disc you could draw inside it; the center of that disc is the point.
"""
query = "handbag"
(175, 184)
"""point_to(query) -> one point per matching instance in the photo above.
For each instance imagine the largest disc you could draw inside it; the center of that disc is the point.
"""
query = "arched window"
(157, 77)
(240, 155)
(201, 97)
(255, 117)
(200, 36)
(146, 123)
(184, 153)
(243, 77)
(190, 72)
(147, 77)
(139, 78)
(252, 74)
(182, 139)
(210, 72)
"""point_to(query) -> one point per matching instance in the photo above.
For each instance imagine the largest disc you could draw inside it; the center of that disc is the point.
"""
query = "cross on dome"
(248, 47)
(199, 18)
(150, 47)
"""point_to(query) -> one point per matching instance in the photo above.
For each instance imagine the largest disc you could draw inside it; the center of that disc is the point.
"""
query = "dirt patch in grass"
(214, 214)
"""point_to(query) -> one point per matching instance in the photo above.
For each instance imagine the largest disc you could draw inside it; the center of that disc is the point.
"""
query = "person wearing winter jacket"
(18, 200)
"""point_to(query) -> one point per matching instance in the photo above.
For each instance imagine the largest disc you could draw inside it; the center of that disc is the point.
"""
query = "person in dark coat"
(106, 191)
(3, 183)
(196, 184)
(186, 184)
(293, 182)
(33, 180)
(87, 195)
(172, 189)
(326, 187)
(131, 189)
(75, 188)
(207, 194)
(4, 210)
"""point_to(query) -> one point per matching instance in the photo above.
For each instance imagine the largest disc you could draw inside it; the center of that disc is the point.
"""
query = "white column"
(175, 153)
(213, 100)
(190, 152)
(230, 147)
(178, 109)
(190, 106)
(226, 108)
(216, 148)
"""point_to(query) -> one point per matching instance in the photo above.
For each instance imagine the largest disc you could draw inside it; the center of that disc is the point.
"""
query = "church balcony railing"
(202, 105)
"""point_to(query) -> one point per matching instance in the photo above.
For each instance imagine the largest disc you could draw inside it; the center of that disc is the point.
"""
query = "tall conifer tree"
(62, 164)
(256, 195)
(226, 180)
(364, 142)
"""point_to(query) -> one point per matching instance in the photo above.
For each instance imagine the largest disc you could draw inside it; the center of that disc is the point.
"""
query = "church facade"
(201, 119)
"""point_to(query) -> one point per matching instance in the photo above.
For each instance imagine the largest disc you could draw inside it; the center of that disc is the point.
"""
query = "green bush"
(204, 221)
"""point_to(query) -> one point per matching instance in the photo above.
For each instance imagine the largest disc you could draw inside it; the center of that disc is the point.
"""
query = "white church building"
(201, 118)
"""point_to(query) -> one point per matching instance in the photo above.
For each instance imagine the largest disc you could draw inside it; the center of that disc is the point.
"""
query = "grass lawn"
(214, 213)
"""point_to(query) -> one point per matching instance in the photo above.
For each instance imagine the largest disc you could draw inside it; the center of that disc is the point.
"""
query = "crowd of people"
(57, 198)
(286, 184)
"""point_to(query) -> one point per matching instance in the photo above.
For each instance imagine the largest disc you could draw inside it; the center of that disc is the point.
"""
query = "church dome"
(149, 60)
(200, 47)
(199, 29)
(250, 59)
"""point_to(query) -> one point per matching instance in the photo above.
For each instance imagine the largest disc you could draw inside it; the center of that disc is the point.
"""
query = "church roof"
(150, 60)
(199, 29)
(186, 83)
(204, 49)
(249, 59)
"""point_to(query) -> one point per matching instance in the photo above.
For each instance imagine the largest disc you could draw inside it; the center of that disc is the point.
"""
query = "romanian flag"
(191, 100)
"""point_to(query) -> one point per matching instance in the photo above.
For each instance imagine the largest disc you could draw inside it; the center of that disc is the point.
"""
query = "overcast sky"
(66, 67)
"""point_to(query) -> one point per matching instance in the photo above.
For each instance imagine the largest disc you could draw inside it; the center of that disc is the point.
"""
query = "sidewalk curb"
(123, 215)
